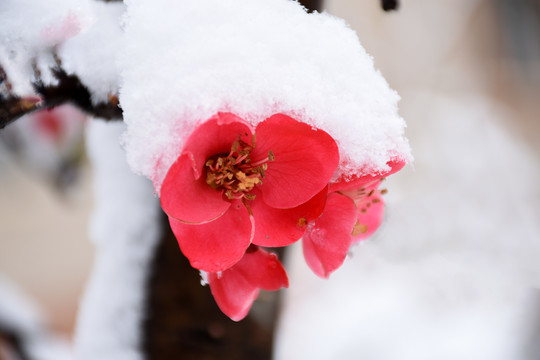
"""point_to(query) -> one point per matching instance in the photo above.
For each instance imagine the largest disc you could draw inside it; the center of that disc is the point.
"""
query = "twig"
(68, 90)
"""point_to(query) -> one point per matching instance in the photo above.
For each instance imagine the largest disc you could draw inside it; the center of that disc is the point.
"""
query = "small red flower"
(232, 186)
(354, 210)
(236, 288)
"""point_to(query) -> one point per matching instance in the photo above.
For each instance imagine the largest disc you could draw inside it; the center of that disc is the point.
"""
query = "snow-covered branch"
(68, 89)
(59, 52)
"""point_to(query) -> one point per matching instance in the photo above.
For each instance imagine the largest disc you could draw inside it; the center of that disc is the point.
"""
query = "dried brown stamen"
(359, 229)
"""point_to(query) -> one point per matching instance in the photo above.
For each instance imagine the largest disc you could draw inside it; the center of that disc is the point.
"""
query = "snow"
(125, 229)
(184, 61)
(96, 66)
(29, 31)
(32, 31)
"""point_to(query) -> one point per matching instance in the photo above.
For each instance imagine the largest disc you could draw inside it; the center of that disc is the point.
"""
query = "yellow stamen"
(235, 173)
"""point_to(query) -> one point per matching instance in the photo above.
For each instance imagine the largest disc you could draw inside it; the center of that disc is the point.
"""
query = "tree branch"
(68, 90)
(389, 5)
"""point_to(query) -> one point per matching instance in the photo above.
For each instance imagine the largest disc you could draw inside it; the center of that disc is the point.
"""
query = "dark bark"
(312, 5)
(184, 322)
(389, 5)
(71, 89)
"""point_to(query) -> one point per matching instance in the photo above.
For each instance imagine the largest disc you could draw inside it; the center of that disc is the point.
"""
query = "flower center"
(235, 173)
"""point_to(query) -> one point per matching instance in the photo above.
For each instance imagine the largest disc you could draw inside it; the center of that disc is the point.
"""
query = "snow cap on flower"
(185, 61)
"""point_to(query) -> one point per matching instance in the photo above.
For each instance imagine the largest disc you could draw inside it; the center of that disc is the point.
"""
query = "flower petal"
(370, 213)
(233, 293)
(305, 159)
(216, 136)
(262, 269)
(356, 182)
(282, 227)
(188, 199)
(217, 245)
(327, 240)
(237, 288)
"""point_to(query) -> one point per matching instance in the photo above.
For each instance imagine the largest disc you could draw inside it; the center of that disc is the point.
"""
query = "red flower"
(354, 210)
(236, 288)
(232, 186)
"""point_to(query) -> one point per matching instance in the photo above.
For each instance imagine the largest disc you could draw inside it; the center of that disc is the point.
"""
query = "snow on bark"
(125, 229)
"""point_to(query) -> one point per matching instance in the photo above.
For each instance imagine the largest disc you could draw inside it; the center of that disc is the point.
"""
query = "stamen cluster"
(235, 172)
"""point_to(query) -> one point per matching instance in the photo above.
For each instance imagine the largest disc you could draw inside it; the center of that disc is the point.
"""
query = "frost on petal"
(282, 227)
(215, 137)
(217, 245)
(304, 160)
(236, 289)
(188, 199)
(327, 240)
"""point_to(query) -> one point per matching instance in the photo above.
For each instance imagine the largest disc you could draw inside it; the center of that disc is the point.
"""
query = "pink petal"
(217, 245)
(262, 269)
(237, 288)
(216, 136)
(188, 199)
(327, 240)
(356, 182)
(305, 159)
(282, 227)
(233, 293)
(370, 213)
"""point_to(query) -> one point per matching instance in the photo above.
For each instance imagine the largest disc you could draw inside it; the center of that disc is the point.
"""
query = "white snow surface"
(125, 229)
(29, 31)
(184, 61)
(92, 55)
